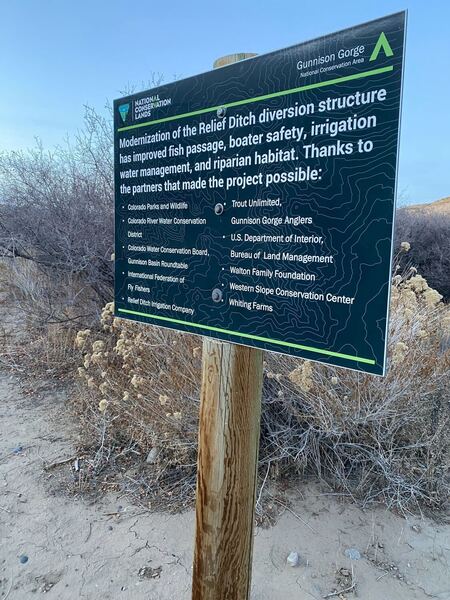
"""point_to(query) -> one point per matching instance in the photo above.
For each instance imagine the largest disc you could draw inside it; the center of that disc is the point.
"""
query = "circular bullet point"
(218, 209)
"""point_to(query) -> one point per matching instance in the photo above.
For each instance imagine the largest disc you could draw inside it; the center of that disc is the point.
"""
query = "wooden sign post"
(230, 412)
(227, 470)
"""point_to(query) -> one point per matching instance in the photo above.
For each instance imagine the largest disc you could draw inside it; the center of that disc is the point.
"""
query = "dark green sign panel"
(255, 202)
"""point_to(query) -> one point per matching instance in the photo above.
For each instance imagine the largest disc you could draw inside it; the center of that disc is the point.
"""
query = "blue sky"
(57, 56)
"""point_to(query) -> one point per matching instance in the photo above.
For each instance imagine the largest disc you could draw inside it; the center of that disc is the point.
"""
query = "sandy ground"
(109, 549)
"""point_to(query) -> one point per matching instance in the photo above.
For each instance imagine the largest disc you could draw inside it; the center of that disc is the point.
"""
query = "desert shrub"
(40, 353)
(378, 439)
(56, 213)
(34, 341)
(429, 237)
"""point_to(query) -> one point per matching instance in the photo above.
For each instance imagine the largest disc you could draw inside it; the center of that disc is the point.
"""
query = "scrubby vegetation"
(428, 234)
(377, 439)
(56, 215)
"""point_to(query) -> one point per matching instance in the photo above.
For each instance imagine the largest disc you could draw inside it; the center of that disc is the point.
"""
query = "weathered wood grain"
(227, 470)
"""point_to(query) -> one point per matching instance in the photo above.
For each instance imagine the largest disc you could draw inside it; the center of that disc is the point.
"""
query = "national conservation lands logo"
(124, 109)
(144, 107)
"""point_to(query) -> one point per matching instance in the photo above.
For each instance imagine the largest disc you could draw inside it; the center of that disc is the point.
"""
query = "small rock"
(353, 554)
(23, 558)
(152, 456)
(293, 559)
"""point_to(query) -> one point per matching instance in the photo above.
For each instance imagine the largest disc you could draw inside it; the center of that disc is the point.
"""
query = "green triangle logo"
(382, 44)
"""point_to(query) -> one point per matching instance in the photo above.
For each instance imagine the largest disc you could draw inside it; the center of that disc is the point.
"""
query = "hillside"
(439, 206)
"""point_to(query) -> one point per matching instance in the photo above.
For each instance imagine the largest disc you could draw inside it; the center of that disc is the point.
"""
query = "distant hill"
(439, 206)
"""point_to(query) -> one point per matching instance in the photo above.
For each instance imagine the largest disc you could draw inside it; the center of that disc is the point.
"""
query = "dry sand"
(110, 549)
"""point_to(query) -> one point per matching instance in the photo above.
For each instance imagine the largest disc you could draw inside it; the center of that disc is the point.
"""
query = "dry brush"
(376, 439)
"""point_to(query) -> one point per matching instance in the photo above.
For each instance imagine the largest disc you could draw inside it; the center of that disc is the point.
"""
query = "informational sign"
(255, 203)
